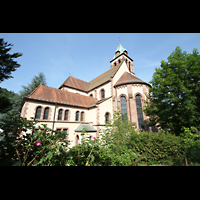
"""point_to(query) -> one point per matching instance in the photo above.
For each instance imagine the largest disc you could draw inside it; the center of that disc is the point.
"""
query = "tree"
(7, 64)
(5, 103)
(174, 99)
(9, 102)
(36, 81)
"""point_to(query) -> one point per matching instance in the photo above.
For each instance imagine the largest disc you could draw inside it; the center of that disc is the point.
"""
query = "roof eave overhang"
(99, 85)
(120, 55)
(60, 103)
(132, 82)
(73, 88)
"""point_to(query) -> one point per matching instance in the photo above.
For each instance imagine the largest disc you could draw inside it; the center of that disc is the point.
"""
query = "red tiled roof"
(76, 83)
(103, 78)
(127, 78)
(45, 93)
(87, 86)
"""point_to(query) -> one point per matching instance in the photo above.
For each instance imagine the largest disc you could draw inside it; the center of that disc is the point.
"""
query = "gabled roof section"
(103, 78)
(88, 86)
(128, 78)
(76, 84)
(45, 93)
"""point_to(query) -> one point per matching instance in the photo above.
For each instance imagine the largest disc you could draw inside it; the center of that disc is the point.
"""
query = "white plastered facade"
(95, 115)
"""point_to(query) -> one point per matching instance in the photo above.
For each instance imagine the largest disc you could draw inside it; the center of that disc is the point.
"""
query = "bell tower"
(120, 55)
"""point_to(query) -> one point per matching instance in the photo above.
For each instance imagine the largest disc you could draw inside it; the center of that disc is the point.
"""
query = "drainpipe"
(130, 109)
(54, 116)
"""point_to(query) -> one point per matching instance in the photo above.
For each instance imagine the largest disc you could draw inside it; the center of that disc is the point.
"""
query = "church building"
(77, 104)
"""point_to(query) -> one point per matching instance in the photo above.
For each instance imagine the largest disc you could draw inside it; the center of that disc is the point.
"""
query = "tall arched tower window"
(139, 111)
(123, 108)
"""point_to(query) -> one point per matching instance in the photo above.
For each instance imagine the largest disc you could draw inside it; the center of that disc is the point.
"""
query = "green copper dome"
(121, 50)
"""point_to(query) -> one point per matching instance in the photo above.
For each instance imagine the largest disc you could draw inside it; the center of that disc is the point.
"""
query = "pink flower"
(94, 138)
(38, 143)
(127, 157)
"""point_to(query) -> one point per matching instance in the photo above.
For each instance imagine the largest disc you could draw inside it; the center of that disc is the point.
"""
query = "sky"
(87, 55)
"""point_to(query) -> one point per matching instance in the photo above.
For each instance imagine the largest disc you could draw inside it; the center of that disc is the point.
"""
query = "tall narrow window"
(82, 116)
(60, 112)
(77, 115)
(139, 112)
(123, 108)
(102, 94)
(46, 113)
(107, 117)
(38, 112)
(66, 114)
(77, 139)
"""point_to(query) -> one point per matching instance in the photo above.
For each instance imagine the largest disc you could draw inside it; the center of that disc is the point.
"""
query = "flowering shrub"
(44, 147)
(118, 145)
(108, 150)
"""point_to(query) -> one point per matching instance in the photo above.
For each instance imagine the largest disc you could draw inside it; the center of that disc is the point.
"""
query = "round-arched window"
(123, 108)
(38, 112)
(139, 111)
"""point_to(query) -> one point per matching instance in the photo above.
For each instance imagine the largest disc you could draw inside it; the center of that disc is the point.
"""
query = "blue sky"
(87, 55)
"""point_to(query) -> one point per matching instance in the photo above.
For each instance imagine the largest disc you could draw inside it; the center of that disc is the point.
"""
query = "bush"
(159, 148)
(191, 144)
(44, 147)
(118, 145)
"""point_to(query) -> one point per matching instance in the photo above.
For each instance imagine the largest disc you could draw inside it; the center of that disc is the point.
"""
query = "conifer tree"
(7, 64)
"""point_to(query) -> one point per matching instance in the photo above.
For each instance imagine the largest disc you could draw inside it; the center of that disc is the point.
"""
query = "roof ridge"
(34, 90)
(78, 79)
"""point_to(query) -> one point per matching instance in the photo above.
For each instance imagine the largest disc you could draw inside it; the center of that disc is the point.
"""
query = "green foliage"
(36, 81)
(159, 148)
(5, 103)
(118, 145)
(175, 90)
(7, 64)
(110, 149)
(23, 149)
(191, 143)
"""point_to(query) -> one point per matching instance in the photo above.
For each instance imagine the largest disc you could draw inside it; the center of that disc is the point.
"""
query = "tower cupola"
(120, 50)
(121, 54)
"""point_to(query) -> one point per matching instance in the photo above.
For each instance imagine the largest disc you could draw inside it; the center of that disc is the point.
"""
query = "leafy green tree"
(7, 64)
(174, 99)
(36, 81)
